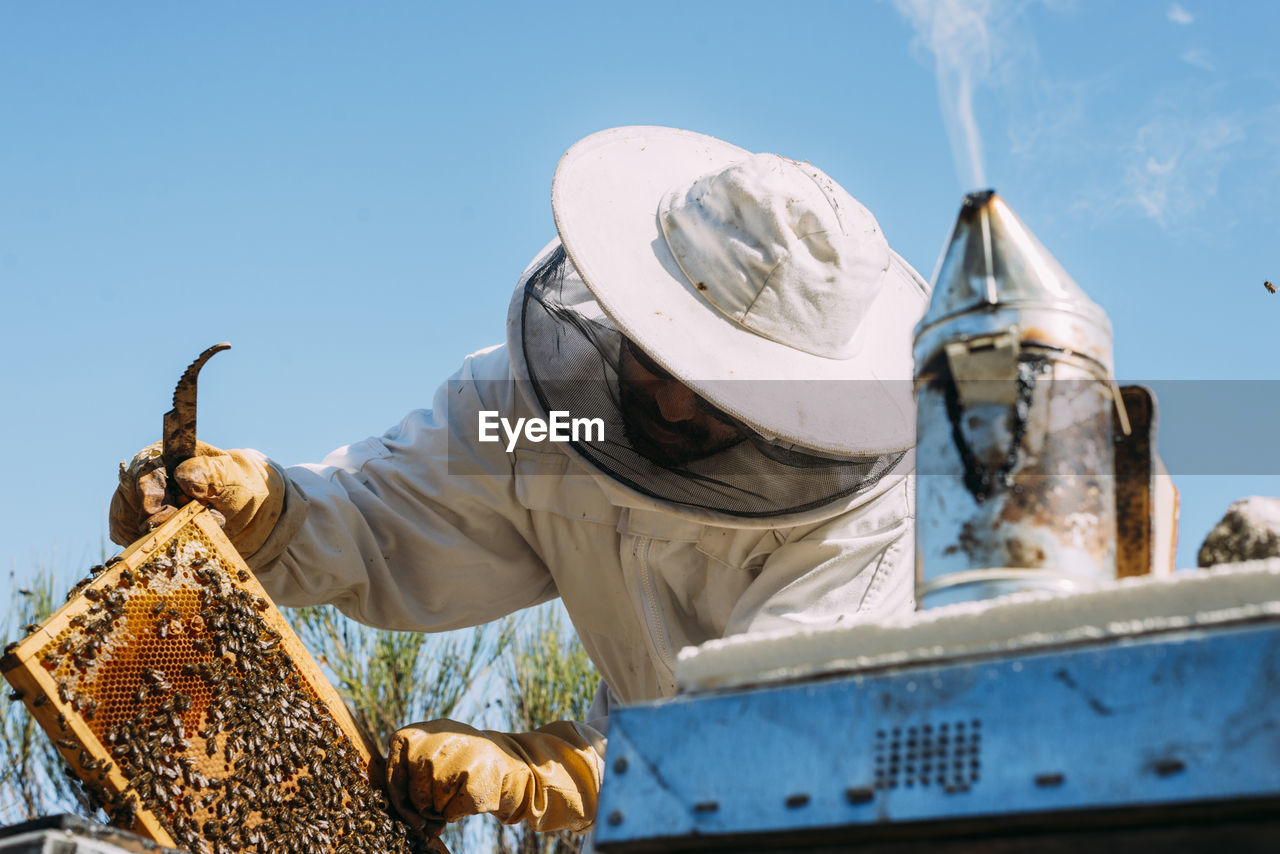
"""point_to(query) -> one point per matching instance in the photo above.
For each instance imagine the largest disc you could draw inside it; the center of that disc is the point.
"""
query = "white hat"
(756, 280)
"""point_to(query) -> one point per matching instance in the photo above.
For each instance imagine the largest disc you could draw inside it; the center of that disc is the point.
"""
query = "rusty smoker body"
(1014, 395)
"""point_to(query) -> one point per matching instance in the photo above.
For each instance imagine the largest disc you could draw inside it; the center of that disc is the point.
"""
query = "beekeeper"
(740, 329)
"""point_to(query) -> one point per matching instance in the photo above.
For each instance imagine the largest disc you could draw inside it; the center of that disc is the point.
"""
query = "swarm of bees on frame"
(195, 703)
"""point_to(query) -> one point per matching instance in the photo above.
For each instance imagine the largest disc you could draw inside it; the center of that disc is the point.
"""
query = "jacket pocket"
(549, 483)
(741, 548)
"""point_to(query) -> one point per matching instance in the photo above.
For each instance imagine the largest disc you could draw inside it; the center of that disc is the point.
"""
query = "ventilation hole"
(943, 754)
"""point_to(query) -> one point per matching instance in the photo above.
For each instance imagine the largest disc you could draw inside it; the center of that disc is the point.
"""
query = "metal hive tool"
(179, 695)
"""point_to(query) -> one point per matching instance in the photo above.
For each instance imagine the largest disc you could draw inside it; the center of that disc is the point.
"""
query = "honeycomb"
(190, 710)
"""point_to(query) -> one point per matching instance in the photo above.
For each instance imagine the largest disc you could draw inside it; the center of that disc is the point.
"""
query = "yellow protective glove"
(240, 486)
(442, 770)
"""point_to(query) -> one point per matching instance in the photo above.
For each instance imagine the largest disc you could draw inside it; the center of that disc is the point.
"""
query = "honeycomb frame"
(54, 669)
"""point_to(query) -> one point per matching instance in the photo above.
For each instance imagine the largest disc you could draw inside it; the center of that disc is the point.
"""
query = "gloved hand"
(239, 485)
(442, 770)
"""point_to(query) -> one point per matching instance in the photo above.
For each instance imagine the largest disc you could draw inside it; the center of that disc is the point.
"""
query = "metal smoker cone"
(994, 274)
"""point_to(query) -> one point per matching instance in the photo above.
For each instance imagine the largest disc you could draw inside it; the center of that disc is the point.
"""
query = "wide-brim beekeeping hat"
(756, 280)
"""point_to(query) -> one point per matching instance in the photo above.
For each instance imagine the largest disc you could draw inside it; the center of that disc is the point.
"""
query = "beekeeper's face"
(665, 420)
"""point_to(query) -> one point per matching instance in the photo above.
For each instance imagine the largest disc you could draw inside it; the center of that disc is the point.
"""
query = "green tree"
(33, 777)
(390, 679)
(548, 677)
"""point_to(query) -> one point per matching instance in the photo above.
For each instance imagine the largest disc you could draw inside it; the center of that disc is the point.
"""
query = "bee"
(1271, 289)
(126, 814)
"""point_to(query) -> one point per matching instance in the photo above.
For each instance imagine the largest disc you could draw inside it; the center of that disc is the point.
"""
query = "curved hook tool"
(180, 422)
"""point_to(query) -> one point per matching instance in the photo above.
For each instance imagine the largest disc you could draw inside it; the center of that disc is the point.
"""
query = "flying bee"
(1271, 289)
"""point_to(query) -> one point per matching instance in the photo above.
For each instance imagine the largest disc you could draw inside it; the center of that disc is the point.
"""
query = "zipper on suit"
(653, 615)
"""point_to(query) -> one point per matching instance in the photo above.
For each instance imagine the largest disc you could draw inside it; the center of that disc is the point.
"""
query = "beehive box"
(179, 695)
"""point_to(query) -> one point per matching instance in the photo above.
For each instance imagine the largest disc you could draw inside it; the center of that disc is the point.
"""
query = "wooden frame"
(56, 653)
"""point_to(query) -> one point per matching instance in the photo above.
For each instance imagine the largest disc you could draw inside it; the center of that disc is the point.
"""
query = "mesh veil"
(571, 350)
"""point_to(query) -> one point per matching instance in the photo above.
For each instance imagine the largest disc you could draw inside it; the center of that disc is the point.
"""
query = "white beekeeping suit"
(768, 486)
(426, 529)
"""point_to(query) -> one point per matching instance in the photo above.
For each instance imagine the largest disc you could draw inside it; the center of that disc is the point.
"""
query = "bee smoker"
(1014, 392)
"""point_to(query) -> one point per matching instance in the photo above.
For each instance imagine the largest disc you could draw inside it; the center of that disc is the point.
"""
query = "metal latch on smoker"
(984, 368)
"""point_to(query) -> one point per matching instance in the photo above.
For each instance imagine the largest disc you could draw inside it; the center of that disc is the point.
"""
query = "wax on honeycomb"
(182, 699)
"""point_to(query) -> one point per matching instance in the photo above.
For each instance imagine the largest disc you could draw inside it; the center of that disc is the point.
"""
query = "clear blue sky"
(347, 192)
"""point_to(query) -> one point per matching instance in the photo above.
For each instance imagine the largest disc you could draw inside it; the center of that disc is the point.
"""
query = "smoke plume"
(958, 34)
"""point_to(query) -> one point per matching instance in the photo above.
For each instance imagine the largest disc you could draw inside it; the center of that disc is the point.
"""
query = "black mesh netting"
(571, 350)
